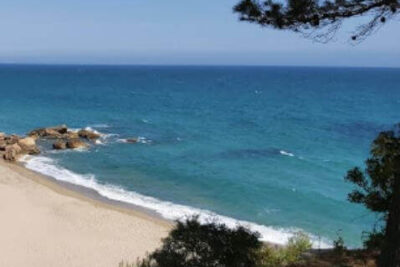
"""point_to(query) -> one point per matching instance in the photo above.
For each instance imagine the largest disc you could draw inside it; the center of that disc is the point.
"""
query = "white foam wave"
(88, 128)
(104, 138)
(99, 142)
(144, 140)
(168, 210)
(285, 153)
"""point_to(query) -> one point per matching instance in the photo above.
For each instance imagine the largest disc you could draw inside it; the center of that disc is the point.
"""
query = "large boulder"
(2, 136)
(76, 143)
(50, 132)
(90, 135)
(28, 145)
(27, 142)
(12, 152)
(59, 145)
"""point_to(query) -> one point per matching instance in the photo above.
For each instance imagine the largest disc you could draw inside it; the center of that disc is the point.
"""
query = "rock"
(70, 135)
(131, 140)
(60, 145)
(27, 142)
(11, 139)
(12, 152)
(2, 136)
(90, 135)
(50, 132)
(28, 145)
(76, 143)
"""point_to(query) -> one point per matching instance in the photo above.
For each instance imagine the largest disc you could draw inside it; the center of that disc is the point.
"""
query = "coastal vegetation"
(192, 244)
(378, 189)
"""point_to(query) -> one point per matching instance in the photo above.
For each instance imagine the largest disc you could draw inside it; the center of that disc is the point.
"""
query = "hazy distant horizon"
(189, 65)
(172, 33)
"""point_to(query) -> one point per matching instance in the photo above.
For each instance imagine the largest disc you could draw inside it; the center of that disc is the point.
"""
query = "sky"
(173, 32)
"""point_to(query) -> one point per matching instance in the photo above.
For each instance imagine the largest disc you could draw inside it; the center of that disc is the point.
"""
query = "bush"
(338, 245)
(291, 253)
(374, 240)
(191, 244)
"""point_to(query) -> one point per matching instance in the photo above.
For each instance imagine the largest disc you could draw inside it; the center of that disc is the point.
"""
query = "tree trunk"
(390, 254)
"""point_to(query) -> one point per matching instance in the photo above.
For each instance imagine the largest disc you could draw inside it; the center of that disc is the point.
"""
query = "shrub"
(191, 244)
(374, 240)
(338, 245)
(291, 253)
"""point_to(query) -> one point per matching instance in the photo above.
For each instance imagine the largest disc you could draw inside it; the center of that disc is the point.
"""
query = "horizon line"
(192, 65)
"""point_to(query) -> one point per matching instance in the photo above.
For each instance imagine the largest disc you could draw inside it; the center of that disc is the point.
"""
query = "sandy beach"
(44, 224)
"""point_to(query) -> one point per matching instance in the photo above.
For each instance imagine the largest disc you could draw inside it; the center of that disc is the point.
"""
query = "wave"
(285, 153)
(104, 137)
(166, 209)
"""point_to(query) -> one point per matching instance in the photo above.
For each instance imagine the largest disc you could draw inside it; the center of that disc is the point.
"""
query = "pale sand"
(43, 224)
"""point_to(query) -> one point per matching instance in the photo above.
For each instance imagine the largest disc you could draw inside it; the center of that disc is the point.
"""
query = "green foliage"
(308, 15)
(338, 245)
(290, 254)
(378, 189)
(191, 244)
(374, 240)
(374, 186)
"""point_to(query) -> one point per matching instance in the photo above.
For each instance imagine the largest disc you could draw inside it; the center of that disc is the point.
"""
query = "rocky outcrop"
(89, 135)
(28, 146)
(76, 143)
(13, 146)
(50, 132)
(59, 145)
(12, 152)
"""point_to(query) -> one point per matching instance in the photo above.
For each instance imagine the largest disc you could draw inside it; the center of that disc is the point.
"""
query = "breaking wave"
(166, 209)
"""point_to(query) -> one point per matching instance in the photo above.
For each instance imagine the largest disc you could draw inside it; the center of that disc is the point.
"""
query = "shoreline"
(88, 194)
(165, 211)
(48, 222)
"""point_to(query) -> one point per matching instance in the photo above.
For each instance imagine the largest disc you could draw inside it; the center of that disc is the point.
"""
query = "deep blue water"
(267, 145)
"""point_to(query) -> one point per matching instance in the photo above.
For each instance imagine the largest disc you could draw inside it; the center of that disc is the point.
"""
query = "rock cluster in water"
(14, 146)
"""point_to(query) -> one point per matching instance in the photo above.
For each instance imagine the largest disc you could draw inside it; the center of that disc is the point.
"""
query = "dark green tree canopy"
(378, 189)
(375, 185)
(192, 244)
(318, 19)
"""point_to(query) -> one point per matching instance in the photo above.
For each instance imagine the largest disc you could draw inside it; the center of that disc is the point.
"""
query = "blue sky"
(170, 32)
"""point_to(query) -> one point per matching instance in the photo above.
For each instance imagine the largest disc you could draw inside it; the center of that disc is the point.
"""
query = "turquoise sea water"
(268, 146)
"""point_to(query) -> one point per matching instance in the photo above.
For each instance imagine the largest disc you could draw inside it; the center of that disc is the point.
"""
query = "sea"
(262, 147)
